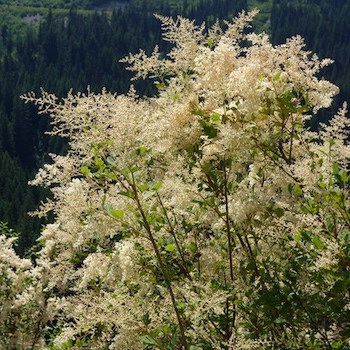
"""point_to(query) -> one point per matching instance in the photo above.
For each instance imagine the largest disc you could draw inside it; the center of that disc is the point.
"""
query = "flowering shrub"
(22, 313)
(207, 217)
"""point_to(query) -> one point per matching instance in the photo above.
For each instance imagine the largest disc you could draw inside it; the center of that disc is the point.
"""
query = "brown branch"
(172, 232)
(161, 264)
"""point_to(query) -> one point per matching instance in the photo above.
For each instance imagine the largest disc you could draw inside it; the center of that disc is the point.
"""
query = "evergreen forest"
(78, 44)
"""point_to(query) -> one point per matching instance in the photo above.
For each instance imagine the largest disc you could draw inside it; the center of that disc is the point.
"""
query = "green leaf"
(210, 43)
(306, 236)
(192, 247)
(335, 168)
(280, 320)
(160, 86)
(198, 112)
(85, 170)
(146, 319)
(209, 129)
(317, 242)
(297, 190)
(128, 194)
(347, 244)
(343, 176)
(68, 344)
(181, 306)
(106, 207)
(143, 187)
(141, 150)
(80, 342)
(215, 117)
(127, 171)
(111, 162)
(279, 212)
(118, 214)
(170, 247)
(297, 237)
(156, 186)
(322, 185)
(148, 340)
(112, 176)
(277, 76)
(99, 162)
(337, 345)
(207, 168)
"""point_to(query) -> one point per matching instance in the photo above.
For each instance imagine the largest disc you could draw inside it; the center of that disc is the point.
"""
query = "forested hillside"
(325, 26)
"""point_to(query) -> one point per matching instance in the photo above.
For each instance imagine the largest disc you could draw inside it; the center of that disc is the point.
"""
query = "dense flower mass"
(22, 302)
(206, 217)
